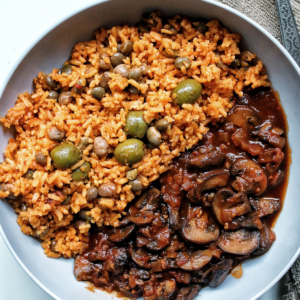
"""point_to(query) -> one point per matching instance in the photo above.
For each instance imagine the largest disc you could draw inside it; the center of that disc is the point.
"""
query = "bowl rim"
(85, 7)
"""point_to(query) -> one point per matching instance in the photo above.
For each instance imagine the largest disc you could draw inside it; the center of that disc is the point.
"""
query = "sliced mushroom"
(209, 181)
(240, 242)
(272, 157)
(250, 179)
(84, 269)
(149, 200)
(120, 234)
(141, 217)
(156, 238)
(271, 135)
(207, 160)
(174, 218)
(275, 179)
(199, 227)
(195, 261)
(240, 139)
(123, 287)
(141, 258)
(117, 260)
(189, 292)
(227, 205)
(252, 222)
(267, 237)
(243, 116)
(166, 290)
(219, 272)
(265, 206)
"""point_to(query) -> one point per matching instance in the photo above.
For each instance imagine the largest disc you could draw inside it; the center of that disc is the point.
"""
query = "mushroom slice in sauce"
(198, 226)
(166, 290)
(207, 160)
(275, 179)
(243, 117)
(227, 205)
(250, 179)
(193, 262)
(267, 237)
(149, 200)
(265, 206)
(209, 181)
(122, 286)
(141, 217)
(156, 239)
(219, 272)
(120, 234)
(84, 269)
(272, 157)
(239, 242)
(272, 135)
(189, 292)
(141, 258)
(174, 217)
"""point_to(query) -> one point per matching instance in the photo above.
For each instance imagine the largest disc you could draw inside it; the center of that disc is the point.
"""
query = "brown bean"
(108, 189)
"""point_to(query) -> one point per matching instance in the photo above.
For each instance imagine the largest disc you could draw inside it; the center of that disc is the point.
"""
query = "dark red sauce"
(211, 211)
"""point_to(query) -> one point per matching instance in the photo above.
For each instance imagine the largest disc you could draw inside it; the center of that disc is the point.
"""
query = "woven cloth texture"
(264, 12)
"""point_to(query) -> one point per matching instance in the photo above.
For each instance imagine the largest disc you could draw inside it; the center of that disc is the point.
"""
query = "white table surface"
(21, 22)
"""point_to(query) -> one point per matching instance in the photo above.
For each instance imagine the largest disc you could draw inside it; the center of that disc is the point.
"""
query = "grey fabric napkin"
(264, 12)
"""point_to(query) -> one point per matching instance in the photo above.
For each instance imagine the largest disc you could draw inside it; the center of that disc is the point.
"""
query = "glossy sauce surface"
(212, 210)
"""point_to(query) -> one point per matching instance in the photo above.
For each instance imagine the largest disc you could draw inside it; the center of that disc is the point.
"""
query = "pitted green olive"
(81, 173)
(129, 152)
(135, 124)
(187, 92)
(65, 155)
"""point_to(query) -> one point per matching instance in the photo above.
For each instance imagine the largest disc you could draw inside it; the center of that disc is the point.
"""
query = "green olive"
(67, 200)
(29, 174)
(201, 26)
(51, 82)
(82, 175)
(187, 92)
(98, 92)
(236, 63)
(182, 62)
(53, 95)
(135, 74)
(133, 90)
(135, 124)
(117, 59)
(65, 155)
(162, 125)
(41, 158)
(84, 142)
(67, 69)
(126, 48)
(129, 152)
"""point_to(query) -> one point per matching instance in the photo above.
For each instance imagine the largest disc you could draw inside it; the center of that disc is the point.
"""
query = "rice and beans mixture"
(95, 133)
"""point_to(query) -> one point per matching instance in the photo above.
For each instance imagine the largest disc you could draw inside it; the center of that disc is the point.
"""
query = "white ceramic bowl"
(56, 276)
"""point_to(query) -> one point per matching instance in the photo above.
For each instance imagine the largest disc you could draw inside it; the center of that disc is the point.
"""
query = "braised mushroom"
(227, 205)
(272, 135)
(208, 181)
(219, 272)
(265, 206)
(239, 242)
(141, 257)
(207, 160)
(189, 292)
(267, 237)
(198, 226)
(166, 290)
(250, 179)
(243, 117)
(120, 234)
(272, 157)
(195, 261)
(157, 238)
